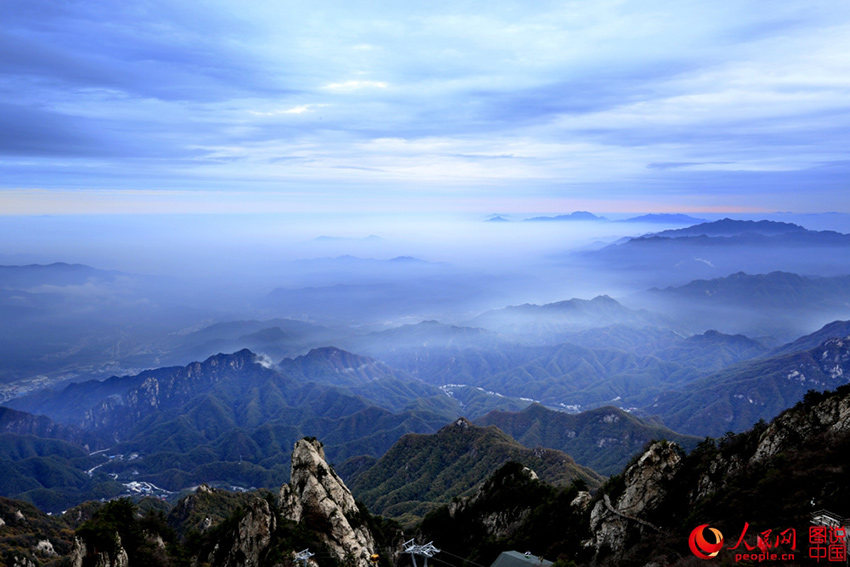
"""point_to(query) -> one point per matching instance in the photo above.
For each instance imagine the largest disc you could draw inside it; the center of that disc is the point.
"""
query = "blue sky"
(605, 105)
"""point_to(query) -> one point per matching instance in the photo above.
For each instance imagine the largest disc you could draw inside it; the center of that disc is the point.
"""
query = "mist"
(140, 291)
(241, 257)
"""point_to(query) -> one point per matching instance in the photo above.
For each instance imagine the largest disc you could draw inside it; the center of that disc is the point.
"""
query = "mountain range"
(779, 306)
(737, 397)
(230, 418)
(602, 439)
(719, 248)
(452, 399)
(645, 513)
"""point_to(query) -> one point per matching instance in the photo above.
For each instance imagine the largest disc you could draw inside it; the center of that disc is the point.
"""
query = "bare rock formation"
(317, 497)
(616, 522)
(250, 539)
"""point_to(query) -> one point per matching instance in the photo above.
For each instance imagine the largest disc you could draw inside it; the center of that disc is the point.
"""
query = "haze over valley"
(233, 357)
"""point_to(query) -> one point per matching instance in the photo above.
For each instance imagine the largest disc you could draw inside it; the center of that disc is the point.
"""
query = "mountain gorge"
(228, 420)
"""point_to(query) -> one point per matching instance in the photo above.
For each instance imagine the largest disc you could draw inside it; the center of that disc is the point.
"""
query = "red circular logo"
(701, 547)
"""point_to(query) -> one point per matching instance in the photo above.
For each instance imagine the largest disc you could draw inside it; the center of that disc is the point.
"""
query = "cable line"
(464, 559)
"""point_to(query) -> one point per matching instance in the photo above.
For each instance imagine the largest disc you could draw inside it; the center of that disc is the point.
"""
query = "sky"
(378, 107)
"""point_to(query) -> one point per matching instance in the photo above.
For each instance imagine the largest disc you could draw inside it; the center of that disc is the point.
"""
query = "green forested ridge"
(737, 397)
(420, 471)
(231, 419)
(603, 439)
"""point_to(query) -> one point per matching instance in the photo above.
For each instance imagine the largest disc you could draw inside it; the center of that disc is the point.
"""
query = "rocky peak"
(646, 479)
(317, 497)
(616, 518)
(251, 537)
(166, 388)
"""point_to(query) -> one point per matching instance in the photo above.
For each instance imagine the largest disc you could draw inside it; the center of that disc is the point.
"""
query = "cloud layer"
(689, 104)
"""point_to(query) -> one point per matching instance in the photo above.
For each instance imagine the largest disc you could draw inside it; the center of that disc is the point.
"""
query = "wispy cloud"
(301, 109)
(356, 85)
(621, 97)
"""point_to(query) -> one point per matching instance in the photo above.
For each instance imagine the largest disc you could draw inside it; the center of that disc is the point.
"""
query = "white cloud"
(465, 93)
(294, 110)
(356, 85)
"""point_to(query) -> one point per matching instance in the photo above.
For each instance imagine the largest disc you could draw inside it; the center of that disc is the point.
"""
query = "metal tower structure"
(303, 556)
(426, 551)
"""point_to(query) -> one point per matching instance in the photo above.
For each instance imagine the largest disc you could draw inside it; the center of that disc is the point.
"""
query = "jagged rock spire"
(319, 498)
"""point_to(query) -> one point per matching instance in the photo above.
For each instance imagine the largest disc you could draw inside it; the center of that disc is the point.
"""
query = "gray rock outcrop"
(614, 522)
(81, 556)
(318, 497)
(250, 539)
(790, 429)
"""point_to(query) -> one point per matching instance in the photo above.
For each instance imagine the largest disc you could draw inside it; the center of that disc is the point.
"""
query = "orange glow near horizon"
(25, 202)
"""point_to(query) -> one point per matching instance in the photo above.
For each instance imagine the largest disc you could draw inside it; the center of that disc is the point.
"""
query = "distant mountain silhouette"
(781, 305)
(720, 248)
(665, 218)
(56, 274)
(730, 227)
(836, 329)
(533, 321)
(576, 216)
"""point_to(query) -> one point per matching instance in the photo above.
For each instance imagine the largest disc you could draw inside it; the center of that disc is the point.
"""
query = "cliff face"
(250, 538)
(500, 521)
(317, 497)
(789, 430)
(614, 522)
(772, 475)
(84, 555)
(224, 529)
